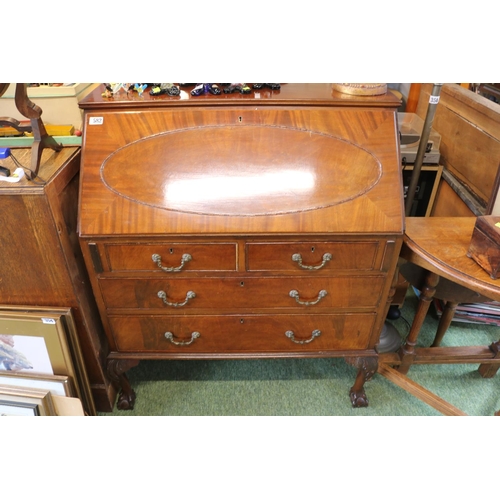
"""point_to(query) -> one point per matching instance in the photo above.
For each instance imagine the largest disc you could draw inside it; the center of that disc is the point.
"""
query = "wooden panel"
(378, 204)
(471, 107)
(449, 204)
(32, 252)
(231, 169)
(469, 126)
(243, 293)
(204, 257)
(242, 333)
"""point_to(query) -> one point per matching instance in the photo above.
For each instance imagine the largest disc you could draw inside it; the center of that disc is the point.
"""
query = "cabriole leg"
(116, 370)
(367, 366)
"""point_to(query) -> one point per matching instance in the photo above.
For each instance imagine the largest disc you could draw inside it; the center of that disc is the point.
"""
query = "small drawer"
(175, 258)
(185, 335)
(323, 257)
(304, 294)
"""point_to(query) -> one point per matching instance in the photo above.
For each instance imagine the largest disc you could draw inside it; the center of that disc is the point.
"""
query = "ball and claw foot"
(116, 370)
(367, 367)
(126, 401)
(358, 399)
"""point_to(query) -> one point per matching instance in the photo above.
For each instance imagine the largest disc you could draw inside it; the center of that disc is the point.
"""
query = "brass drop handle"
(296, 257)
(163, 296)
(291, 336)
(157, 259)
(170, 337)
(295, 295)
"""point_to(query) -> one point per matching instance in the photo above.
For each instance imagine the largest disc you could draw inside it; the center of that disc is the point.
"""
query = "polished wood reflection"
(320, 166)
(233, 170)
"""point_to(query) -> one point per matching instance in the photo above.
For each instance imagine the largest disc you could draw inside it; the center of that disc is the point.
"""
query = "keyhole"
(242, 321)
(242, 283)
(312, 249)
(240, 119)
(171, 251)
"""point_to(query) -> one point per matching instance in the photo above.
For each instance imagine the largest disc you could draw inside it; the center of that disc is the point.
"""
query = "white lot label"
(96, 120)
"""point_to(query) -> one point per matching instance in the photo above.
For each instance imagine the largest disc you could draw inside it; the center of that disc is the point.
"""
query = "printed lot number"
(96, 120)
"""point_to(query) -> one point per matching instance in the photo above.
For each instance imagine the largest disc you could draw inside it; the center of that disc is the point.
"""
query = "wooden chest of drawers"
(260, 225)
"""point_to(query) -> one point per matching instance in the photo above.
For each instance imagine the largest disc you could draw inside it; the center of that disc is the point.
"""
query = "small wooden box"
(484, 246)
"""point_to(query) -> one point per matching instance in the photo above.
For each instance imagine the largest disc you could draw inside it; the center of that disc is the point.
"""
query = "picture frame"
(43, 341)
(20, 402)
(58, 385)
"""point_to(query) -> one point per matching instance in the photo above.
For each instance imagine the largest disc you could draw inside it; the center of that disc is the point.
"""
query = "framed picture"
(19, 402)
(43, 342)
(57, 385)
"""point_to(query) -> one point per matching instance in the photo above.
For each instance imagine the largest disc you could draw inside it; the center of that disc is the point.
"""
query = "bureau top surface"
(220, 170)
(288, 94)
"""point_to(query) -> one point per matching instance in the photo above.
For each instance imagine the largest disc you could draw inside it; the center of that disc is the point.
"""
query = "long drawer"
(243, 293)
(241, 333)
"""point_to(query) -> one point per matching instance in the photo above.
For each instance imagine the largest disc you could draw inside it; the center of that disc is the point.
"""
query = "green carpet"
(310, 387)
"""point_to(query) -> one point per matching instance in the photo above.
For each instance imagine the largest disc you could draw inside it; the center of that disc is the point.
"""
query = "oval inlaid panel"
(241, 170)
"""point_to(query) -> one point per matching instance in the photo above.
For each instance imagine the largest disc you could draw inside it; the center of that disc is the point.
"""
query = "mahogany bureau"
(241, 226)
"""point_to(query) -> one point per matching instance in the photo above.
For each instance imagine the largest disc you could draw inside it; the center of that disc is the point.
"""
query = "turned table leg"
(407, 351)
(116, 370)
(444, 322)
(367, 367)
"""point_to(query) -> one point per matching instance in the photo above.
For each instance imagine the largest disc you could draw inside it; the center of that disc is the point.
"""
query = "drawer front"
(182, 335)
(321, 257)
(173, 295)
(202, 257)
